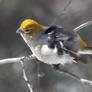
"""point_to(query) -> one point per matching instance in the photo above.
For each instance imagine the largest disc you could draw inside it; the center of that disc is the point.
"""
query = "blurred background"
(66, 13)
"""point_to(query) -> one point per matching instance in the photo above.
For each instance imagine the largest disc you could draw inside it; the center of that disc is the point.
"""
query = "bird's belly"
(51, 57)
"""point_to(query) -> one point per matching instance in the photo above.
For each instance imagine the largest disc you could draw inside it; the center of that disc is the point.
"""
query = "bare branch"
(82, 80)
(83, 25)
(20, 59)
(66, 7)
(25, 77)
(17, 59)
(85, 52)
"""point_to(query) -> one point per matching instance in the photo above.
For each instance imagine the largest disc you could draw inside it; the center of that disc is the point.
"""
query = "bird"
(52, 44)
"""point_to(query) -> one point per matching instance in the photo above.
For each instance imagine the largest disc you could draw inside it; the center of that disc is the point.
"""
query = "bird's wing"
(85, 55)
(82, 43)
(55, 35)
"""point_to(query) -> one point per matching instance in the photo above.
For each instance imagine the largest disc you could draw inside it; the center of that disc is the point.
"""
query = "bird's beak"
(19, 31)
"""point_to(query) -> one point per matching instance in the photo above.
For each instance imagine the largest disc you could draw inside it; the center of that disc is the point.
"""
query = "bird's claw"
(26, 58)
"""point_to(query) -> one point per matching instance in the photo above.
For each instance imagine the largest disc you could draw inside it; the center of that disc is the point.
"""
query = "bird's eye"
(27, 31)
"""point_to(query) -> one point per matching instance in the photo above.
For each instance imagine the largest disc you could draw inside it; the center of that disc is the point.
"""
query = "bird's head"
(29, 27)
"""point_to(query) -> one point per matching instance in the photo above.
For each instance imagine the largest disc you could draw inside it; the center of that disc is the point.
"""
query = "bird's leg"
(59, 68)
(56, 66)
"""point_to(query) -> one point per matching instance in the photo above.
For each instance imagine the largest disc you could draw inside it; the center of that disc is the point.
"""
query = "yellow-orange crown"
(32, 26)
(29, 24)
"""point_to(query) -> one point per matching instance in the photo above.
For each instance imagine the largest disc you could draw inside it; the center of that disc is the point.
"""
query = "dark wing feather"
(54, 35)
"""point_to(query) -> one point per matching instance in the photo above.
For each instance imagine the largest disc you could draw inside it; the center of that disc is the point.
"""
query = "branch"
(85, 52)
(23, 58)
(17, 59)
(25, 77)
(83, 25)
(20, 59)
(74, 76)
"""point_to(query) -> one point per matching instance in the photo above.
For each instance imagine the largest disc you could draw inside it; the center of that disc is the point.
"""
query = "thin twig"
(85, 52)
(59, 14)
(66, 7)
(74, 76)
(20, 59)
(25, 77)
(83, 25)
(17, 59)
